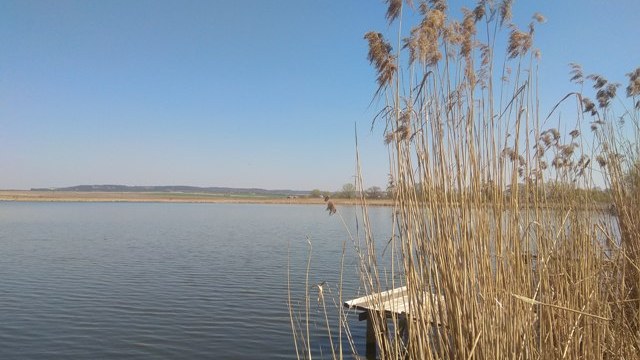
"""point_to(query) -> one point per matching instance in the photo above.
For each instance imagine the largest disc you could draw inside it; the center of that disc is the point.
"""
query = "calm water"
(163, 281)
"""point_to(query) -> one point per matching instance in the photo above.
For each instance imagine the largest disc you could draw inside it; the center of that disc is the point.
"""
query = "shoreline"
(66, 196)
(195, 198)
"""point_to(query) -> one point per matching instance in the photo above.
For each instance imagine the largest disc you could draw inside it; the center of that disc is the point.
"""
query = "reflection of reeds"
(494, 210)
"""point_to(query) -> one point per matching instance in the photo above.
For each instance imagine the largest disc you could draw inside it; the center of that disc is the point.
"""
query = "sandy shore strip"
(67, 196)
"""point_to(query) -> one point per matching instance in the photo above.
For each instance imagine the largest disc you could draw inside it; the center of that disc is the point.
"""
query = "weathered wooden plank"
(366, 302)
(397, 301)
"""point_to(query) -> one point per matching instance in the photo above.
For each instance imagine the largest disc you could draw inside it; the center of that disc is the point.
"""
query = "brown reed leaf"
(536, 302)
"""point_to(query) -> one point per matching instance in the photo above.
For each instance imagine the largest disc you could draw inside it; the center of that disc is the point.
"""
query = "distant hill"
(175, 189)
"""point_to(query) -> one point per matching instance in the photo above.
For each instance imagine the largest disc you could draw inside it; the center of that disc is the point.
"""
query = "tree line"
(550, 191)
(349, 191)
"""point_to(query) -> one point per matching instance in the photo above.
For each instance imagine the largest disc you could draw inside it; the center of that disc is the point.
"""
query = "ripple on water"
(140, 281)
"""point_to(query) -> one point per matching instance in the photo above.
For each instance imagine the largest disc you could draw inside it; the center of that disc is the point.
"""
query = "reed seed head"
(452, 33)
(479, 11)
(577, 76)
(331, 208)
(539, 18)
(589, 106)
(403, 132)
(393, 11)
(584, 161)
(505, 11)
(468, 31)
(559, 162)
(568, 150)
(423, 42)
(519, 43)
(633, 89)
(598, 81)
(605, 94)
(537, 54)
(440, 5)
(380, 56)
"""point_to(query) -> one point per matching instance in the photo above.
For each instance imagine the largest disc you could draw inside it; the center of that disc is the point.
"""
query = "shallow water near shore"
(157, 280)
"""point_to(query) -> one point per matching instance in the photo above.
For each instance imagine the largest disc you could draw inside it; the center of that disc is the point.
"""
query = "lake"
(166, 280)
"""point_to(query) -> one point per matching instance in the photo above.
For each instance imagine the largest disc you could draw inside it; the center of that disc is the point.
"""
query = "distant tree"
(374, 192)
(348, 191)
(315, 193)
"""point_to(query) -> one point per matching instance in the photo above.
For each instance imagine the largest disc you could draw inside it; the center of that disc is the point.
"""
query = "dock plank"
(396, 301)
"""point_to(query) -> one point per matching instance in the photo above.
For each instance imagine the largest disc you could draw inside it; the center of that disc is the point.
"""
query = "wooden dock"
(395, 302)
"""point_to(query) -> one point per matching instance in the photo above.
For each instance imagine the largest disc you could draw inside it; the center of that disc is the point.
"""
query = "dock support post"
(371, 337)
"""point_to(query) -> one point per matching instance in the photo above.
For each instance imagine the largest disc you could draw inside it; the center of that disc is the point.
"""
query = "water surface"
(163, 281)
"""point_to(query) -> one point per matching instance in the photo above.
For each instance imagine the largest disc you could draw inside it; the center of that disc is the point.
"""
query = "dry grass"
(554, 279)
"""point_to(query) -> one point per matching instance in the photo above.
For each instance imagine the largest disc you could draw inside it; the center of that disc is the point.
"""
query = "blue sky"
(257, 93)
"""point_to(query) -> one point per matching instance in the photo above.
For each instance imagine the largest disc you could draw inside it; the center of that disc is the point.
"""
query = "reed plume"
(380, 56)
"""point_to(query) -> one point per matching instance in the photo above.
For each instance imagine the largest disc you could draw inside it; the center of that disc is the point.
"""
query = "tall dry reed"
(492, 212)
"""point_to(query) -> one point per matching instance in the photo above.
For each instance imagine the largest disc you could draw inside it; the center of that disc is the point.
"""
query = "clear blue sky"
(257, 93)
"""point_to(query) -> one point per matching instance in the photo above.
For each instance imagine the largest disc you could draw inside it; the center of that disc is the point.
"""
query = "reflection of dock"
(394, 303)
